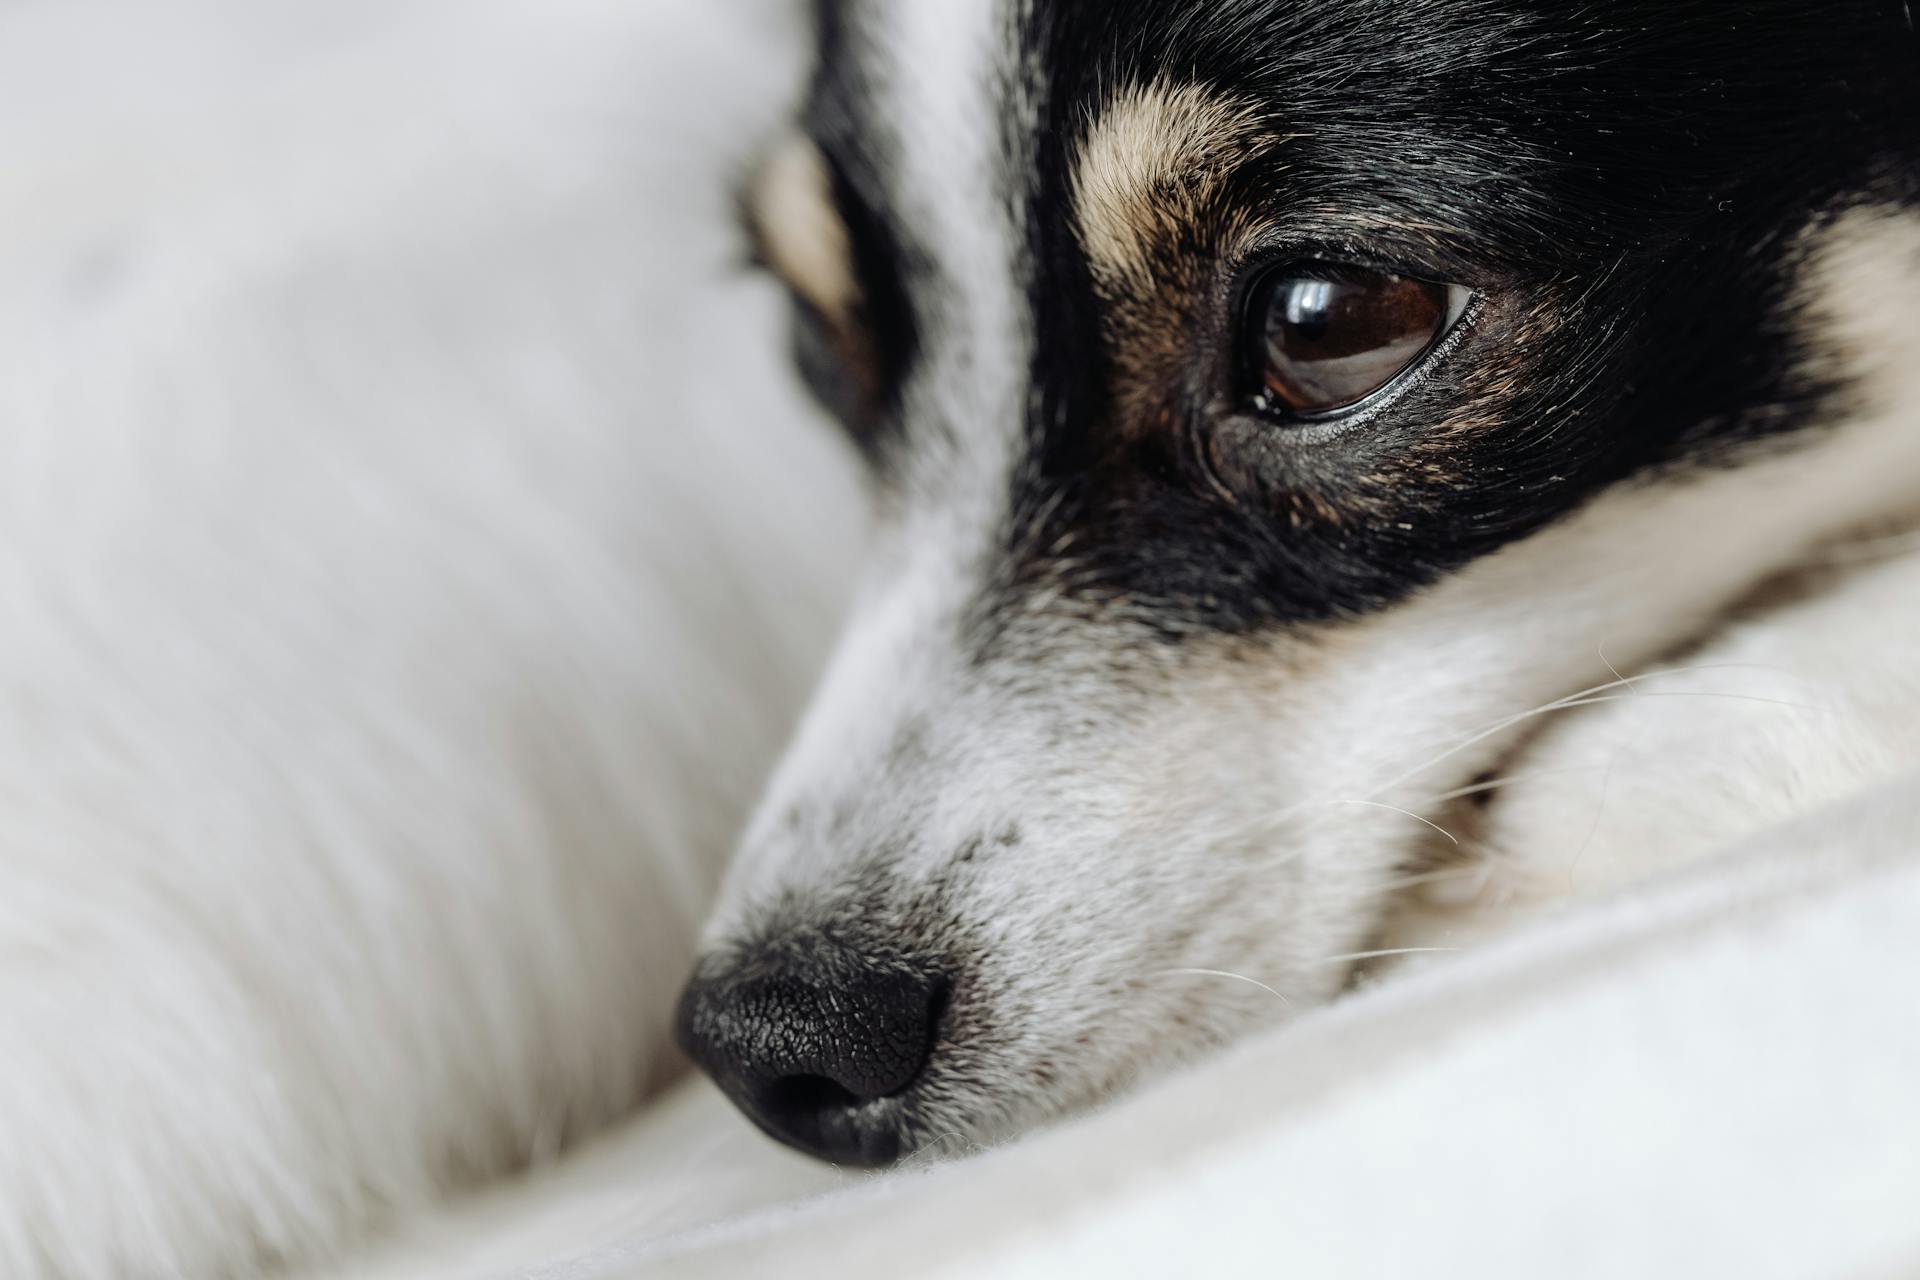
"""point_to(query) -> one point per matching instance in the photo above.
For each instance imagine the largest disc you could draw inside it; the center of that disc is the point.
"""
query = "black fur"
(839, 119)
(1625, 185)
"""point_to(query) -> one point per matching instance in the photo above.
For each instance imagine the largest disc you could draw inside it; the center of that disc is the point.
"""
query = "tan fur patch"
(790, 202)
(1151, 163)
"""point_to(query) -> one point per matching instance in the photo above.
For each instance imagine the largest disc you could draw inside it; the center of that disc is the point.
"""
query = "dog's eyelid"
(1448, 261)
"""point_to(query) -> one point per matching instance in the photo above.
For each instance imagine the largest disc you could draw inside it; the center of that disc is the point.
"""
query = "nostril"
(821, 1116)
(808, 1095)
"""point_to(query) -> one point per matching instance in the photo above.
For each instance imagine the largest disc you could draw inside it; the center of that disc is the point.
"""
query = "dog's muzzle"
(815, 1042)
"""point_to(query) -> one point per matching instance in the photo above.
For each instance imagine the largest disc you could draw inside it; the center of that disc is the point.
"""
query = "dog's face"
(1267, 405)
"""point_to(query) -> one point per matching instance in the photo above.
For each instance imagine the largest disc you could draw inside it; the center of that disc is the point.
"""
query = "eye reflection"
(1323, 337)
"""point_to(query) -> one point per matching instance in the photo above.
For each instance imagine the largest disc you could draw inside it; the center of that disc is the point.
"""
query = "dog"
(412, 570)
(1274, 410)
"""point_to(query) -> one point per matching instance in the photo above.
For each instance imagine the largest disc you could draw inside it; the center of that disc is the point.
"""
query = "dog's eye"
(1322, 337)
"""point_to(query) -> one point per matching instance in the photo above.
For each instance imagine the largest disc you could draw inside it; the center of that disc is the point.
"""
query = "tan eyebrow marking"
(1151, 162)
(800, 233)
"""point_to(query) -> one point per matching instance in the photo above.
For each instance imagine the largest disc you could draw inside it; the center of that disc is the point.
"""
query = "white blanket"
(1713, 1075)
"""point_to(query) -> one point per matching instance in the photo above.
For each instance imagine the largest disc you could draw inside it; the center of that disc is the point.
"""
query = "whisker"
(1494, 784)
(1434, 877)
(1376, 955)
(1222, 973)
(1595, 696)
(925, 1149)
(1606, 662)
(1498, 726)
(1394, 808)
(1580, 698)
(1593, 828)
(1702, 693)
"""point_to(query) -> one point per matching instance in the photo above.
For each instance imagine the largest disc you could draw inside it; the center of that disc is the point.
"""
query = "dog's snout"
(811, 1042)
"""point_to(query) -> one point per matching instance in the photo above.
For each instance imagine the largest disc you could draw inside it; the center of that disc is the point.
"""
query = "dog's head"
(1267, 405)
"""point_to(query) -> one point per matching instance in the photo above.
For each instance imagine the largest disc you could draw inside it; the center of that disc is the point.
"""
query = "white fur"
(396, 506)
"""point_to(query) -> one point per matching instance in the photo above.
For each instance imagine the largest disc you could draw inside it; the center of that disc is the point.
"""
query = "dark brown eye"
(1322, 337)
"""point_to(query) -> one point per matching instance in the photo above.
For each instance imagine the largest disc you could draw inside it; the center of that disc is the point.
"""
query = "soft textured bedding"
(1711, 1075)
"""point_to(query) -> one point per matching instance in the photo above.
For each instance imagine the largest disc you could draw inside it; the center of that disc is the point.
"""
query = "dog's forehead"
(1462, 112)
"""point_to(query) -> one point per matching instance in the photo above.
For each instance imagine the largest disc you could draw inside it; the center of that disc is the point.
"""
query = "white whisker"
(1222, 973)
(1494, 784)
(1376, 955)
(1704, 693)
(1607, 662)
(926, 1148)
(1593, 828)
(1394, 808)
(1595, 696)
(1434, 877)
(1581, 698)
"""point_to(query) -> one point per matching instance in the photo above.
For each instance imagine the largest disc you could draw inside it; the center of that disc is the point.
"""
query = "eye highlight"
(1319, 337)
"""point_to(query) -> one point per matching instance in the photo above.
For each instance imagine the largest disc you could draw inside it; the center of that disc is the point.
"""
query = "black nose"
(813, 1041)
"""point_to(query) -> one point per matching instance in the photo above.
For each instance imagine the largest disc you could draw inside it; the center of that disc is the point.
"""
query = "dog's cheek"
(1156, 911)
